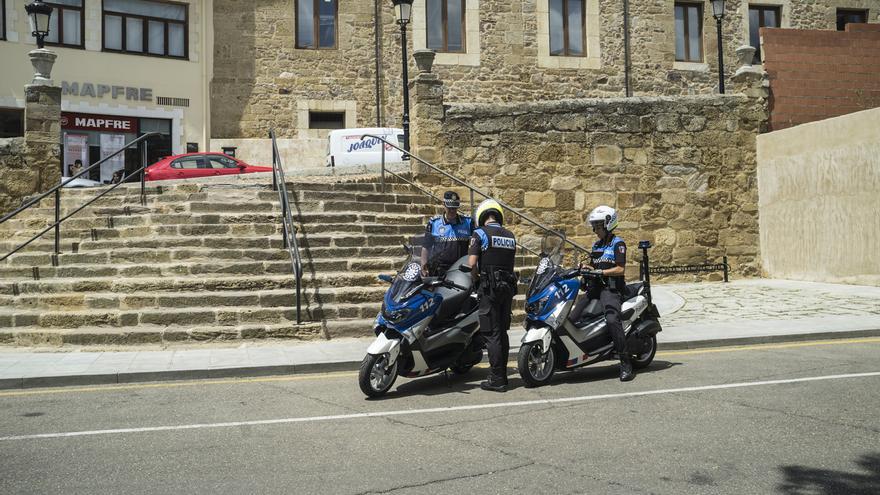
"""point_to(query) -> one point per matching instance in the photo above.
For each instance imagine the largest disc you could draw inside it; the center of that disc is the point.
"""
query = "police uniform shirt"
(609, 255)
(495, 246)
(447, 242)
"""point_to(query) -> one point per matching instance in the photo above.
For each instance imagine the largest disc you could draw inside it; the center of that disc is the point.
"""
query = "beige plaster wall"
(165, 76)
(819, 198)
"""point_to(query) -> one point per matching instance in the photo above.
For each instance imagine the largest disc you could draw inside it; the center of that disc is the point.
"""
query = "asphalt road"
(788, 418)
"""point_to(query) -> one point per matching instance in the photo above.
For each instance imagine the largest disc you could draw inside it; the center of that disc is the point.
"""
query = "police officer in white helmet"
(608, 260)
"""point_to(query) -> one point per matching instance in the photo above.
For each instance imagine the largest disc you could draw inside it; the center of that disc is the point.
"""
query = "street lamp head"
(403, 10)
(39, 14)
(718, 9)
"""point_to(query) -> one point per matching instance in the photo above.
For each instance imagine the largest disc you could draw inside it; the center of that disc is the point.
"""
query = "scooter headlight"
(535, 307)
(397, 316)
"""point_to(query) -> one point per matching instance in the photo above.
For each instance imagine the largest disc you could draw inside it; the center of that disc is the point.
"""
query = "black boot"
(626, 369)
(494, 385)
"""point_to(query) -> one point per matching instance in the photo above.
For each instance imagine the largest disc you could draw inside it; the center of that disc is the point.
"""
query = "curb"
(335, 366)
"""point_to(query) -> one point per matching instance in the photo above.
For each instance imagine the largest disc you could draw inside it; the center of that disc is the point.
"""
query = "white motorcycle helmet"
(605, 214)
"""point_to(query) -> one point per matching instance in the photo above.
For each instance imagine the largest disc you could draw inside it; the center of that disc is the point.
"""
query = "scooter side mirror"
(645, 244)
(386, 278)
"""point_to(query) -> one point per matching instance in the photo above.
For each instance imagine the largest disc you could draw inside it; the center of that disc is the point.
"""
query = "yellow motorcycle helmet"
(485, 208)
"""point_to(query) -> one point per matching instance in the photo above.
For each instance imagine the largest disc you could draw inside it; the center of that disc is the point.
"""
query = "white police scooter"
(426, 326)
(556, 340)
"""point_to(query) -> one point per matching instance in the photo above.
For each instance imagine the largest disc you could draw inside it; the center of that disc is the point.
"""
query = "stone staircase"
(204, 262)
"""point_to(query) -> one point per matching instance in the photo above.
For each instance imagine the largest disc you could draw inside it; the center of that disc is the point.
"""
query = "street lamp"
(718, 14)
(403, 11)
(39, 14)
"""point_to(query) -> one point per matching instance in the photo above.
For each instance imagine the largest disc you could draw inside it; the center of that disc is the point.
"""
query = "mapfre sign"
(106, 123)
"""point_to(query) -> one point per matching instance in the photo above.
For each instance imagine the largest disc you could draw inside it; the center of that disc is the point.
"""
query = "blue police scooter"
(426, 325)
(557, 340)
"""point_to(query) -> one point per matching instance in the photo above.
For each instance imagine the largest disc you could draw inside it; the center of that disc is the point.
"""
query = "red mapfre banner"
(92, 122)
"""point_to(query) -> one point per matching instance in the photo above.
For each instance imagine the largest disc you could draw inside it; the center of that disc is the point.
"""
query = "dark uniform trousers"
(610, 299)
(494, 323)
(496, 248)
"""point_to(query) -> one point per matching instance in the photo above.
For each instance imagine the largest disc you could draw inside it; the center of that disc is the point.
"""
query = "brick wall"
(816, 74)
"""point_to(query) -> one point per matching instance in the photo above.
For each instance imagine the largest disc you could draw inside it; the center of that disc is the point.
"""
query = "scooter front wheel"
(376, 377)
(535, 366)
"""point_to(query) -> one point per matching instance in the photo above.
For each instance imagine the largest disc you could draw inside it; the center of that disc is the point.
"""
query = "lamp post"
(39, 14)
(403, 11)
(718, 14)
(42, 59)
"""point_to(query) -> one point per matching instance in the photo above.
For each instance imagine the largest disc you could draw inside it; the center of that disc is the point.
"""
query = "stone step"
(221, 236)
(30, 336)
(333, 316)
(94, 253)
(239, 206)
(207, 242)
(183, 284)
(30, 226)
(192, 299)
(151, 266)
(230, 229)
(212, 282)
(178, 187)
(69, 202)
(200, 315)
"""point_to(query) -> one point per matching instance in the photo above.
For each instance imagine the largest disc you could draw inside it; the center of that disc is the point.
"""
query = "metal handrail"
(57, 191)
(472, 190)
(288, 228)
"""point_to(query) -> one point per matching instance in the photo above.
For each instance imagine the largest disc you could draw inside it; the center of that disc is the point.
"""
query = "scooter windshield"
(548, 266)
(406, 282)
(544, 275)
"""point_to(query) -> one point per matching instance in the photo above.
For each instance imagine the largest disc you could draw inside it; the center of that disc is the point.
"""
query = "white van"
(345, 146)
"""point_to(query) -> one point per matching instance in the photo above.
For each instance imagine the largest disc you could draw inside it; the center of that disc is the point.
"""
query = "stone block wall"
(681, 170)
(816, 74)
(29, 165)
(260, 78)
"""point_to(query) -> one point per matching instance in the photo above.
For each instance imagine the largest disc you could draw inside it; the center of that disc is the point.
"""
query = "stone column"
(42, 133)
(427, 116)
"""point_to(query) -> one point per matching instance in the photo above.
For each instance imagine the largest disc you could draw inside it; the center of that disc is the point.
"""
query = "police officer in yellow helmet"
(492, 253)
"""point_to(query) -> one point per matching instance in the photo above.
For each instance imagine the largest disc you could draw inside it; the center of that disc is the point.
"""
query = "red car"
(199, 165)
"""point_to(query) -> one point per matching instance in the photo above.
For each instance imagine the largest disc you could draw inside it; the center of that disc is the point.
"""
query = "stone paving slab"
(693, 315)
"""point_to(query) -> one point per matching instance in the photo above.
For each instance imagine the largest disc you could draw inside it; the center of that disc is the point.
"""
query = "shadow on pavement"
(439, 384)
(605, 371)
(805, 480)
(452, 383)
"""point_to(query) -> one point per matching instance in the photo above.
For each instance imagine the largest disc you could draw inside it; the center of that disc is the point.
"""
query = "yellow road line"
(759, 347)
(341, 374)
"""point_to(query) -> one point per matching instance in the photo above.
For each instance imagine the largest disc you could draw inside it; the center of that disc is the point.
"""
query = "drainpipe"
(626, 55)
(378, 26)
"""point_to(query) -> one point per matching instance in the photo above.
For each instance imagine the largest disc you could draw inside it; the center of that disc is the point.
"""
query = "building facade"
(300, 66)
(126, 67)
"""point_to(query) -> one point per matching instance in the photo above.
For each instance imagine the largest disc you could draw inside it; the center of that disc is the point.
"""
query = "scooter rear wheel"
(535, 366)
(644, 359)
(374, 377)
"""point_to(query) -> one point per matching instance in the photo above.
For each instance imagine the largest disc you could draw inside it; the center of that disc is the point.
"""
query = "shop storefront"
(89, 138)
(115, 86)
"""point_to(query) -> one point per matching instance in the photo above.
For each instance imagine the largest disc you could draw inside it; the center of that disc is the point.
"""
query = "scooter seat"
(632, 290)
(453, 302)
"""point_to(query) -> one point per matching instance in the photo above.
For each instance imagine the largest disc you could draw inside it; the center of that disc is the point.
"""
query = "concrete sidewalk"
(692, 315)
